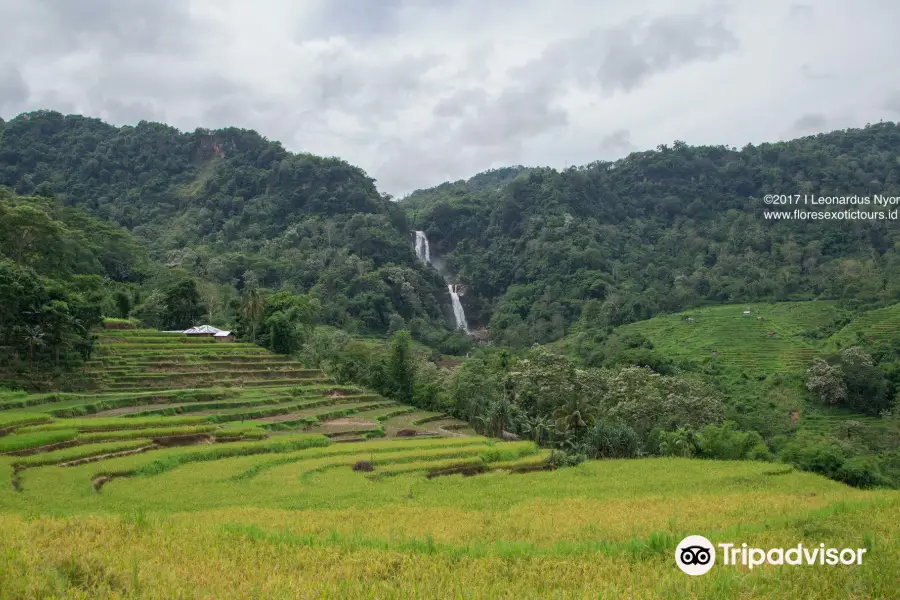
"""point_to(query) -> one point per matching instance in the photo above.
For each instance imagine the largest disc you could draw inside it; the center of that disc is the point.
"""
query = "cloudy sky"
(417, 92)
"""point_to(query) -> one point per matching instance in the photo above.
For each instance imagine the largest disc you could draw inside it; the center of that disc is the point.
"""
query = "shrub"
(610, 439)
(727, 443)
(860, 471)
(681, 442)
(816, 456)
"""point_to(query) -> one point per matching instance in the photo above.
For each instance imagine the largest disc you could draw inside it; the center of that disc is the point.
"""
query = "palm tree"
(498, 415)
(253, 307)
(538, 426)
(34, 336)
(576, 414)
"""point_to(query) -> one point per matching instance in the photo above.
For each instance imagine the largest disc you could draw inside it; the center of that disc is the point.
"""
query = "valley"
(531, 383)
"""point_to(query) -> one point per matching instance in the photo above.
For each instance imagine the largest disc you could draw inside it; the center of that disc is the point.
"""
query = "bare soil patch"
(466, 471)
(531, 468)
(182, 440)
(278, 418)
(343, 422)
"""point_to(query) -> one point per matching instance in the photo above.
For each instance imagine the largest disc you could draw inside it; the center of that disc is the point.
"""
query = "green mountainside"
(666, 230)
(235, 209)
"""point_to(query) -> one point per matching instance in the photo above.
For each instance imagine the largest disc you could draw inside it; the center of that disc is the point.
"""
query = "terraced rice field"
(273, 490)
(289, 517)
(155, 391)
(146, 373)
(880, 325)
(725, 335)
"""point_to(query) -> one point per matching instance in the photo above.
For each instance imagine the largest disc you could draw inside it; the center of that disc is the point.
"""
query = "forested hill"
(536, 249)
(665, 230)
(234, 208)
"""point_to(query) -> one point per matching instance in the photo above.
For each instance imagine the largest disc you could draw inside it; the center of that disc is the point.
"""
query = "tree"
(826, 382)
(645, 401)
(538, 428)
(47, 321)
(123, 304)
(400, 369)
(868, 389)
(152, 312)
(28, 234)
(253, 307)
(288, 319)
(473, 386)
(184, 308)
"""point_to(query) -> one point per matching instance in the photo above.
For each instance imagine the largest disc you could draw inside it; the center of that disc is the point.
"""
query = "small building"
(219, 335)
(202, 331)
(690, 319)
(747, 313)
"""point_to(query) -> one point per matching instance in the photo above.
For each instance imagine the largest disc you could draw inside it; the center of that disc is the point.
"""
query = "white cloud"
(420, 91)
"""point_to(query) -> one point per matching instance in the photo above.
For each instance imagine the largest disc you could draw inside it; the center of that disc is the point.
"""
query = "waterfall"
(422, 250)
(458, 313)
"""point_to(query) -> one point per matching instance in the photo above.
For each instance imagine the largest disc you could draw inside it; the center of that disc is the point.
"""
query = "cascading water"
(423, 252)
(458, 313)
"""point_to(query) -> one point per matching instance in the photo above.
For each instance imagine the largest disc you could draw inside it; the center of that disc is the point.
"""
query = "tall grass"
(25, 441)
(113, 423)
(154, 432)
(76, 452)
(16, 419)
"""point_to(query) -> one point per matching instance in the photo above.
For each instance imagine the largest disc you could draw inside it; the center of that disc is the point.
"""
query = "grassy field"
(192, 523)
(245, 480)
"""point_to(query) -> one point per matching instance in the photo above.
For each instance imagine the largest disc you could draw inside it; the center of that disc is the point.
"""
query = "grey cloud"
(511, 115)
(460, 102)
(352, 18)
(811, 73)
(406, 165)
(803, 12)
(370, 87)
(810, 123)
(361, 19)
(54, 100)
(616, 58)
(139, 77)
(128, 113)
(624, 57)
(113, 27)
(892, 102)
(13, 89)
(616, 144)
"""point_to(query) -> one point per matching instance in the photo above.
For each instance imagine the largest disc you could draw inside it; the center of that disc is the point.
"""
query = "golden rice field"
(249, 491)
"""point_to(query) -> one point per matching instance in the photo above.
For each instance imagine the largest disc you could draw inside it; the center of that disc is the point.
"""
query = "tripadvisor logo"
(696, 555)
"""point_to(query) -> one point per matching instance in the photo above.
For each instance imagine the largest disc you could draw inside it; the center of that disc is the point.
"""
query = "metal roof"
(201, 329)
